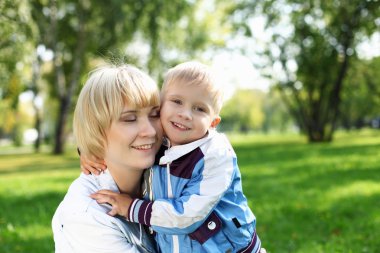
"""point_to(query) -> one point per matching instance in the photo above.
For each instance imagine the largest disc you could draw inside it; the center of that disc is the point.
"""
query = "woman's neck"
(127, 180)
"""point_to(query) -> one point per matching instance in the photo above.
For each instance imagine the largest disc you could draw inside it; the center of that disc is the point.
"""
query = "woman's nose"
(147, 128)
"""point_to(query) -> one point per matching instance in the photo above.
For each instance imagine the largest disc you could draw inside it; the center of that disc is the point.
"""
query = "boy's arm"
(90, 164)
(184, 214)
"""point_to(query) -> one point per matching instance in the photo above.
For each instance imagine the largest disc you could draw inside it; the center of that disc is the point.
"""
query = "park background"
(302, 106)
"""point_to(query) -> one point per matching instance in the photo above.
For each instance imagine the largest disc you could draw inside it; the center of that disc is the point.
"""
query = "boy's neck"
(168, 143)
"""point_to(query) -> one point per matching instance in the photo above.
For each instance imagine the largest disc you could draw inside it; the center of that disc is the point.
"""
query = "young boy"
(196, 202)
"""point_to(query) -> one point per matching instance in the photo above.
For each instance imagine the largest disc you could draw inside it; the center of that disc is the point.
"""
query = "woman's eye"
(129, 119)
(155, 114)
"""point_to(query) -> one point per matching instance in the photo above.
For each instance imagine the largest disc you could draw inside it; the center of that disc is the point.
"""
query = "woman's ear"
(216, 121)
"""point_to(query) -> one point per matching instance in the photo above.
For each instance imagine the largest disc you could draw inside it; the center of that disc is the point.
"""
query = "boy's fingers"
(92, 170)
(85, 171)
(97, 162)
(112, 212)
(98, 166)
(106, 192)
(101, 199)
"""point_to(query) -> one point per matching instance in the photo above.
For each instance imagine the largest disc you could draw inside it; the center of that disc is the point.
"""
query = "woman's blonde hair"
(102, 100)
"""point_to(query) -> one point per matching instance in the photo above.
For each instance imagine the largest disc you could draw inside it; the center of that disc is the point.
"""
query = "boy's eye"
(177, 101)
(199, 109)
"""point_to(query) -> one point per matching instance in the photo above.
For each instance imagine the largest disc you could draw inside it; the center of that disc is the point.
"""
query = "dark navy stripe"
(145, 212)
(184, 166)
(160, 154)
(251, 245)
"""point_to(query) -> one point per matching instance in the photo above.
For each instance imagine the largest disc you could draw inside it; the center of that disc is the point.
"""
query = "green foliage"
(306, 197)
(361, 96)
(255, 110)
(312, 44)
(277, 117)
(79, 33)
(244, 111)
(16, 32)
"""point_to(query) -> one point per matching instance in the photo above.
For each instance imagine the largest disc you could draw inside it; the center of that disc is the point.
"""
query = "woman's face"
(134, 139)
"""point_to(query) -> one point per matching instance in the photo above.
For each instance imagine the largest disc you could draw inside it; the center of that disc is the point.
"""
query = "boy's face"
(187, 113)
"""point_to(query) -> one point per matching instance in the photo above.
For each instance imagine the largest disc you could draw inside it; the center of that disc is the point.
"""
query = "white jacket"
(80, 224)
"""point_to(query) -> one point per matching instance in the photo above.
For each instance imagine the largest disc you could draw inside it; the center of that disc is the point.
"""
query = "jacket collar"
(173, 153)
(105, 181)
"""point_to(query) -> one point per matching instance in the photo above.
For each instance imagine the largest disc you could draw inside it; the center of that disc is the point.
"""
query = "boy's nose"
(185, 114)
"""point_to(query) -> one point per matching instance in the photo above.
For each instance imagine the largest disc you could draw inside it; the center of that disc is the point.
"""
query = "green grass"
(31, 186)
(314, 198)
(306, 197)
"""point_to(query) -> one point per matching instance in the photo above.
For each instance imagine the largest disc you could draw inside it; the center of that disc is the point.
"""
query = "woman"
(117, 119)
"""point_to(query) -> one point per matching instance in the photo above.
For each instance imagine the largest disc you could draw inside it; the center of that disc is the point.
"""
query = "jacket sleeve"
(184, 214)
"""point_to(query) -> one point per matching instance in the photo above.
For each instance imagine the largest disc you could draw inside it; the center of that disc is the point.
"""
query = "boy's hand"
(262, 250)
(91, 165)
(120, 202)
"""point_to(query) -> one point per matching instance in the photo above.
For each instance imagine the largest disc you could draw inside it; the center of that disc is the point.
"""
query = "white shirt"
(80, 224)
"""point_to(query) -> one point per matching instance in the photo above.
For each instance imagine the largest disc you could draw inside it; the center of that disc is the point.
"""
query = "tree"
(312, 52)
(361, 95)
(16, 39)
(244, 111)
(78, 31)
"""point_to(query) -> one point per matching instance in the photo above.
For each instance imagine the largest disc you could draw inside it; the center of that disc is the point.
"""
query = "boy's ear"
(216, 121)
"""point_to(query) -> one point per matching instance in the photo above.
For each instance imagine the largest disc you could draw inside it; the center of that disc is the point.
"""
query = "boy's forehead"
(193, 92)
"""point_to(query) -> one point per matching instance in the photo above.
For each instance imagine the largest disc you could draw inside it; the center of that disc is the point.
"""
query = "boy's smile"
(180, 126)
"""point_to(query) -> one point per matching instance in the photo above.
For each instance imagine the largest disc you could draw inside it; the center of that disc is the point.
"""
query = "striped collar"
(173, 153)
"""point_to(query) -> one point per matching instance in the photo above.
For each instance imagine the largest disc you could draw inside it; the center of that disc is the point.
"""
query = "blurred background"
(301, 79)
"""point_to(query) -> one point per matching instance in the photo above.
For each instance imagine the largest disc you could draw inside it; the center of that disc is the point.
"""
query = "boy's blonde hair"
(102, 100)
(195, 73)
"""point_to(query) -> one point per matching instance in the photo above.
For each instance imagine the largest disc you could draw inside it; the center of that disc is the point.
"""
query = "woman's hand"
(120, 202)
(91, 164)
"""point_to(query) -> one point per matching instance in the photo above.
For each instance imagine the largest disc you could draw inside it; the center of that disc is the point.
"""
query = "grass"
(31, 186)
(306, 197)
(314, 198)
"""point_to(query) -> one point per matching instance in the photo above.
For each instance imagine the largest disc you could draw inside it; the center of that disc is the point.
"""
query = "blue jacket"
(196, 202)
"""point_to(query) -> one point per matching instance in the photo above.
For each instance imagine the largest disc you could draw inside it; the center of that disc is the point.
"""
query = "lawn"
(306, 197)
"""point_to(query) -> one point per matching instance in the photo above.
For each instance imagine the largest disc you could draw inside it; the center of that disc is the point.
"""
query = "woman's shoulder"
(77, 198)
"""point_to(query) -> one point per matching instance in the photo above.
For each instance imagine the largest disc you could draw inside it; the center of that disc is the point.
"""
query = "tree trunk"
(37, 126)
(35, 89)
(59, 138)
(66, 97)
